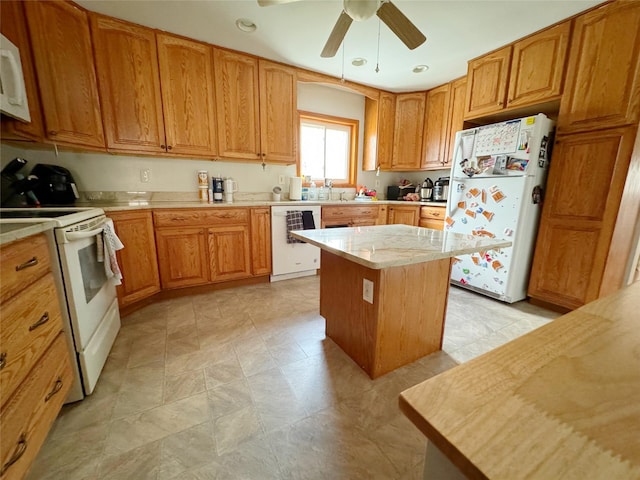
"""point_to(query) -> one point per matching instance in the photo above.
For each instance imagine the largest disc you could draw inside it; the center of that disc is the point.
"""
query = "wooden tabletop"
(562, 402)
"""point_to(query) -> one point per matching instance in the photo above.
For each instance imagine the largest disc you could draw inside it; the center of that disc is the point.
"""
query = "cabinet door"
(408, 131)
(370, 143)
(386, 122)
(138, 259)
(407, 215)
(127, 67)
(260, 241)
(537, 66)
(188, 101)
(585, 184)
(14, 27)
(229, 253)
(487, 78)
(456, 112)
(63, 56)
(237, 105)
(278, 112)
(603, 73)
(182, 256)
(434, 147)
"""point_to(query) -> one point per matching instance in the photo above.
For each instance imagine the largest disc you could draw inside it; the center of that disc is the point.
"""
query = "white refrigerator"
(496, 190)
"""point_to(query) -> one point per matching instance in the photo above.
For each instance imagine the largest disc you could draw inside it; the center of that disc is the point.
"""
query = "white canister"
(230, 186)
(295, 188)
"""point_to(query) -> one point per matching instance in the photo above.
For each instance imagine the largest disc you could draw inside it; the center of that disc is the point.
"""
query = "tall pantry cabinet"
(596, 130)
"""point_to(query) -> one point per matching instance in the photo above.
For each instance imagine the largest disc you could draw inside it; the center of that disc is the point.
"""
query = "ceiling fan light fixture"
(358, 62)
(420, 68)
(246, 25)
(361, 10)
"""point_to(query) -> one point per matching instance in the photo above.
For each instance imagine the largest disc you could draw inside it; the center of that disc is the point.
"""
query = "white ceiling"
(295, 33)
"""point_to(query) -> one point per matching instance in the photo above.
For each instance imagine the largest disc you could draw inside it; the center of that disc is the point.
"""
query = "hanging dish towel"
(307, 220)
(111, 245)
(294, 222)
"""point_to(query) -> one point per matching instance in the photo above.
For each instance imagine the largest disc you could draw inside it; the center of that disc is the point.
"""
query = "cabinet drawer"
(22, 263)
(201, 217)
(436, 213)
(28, 325)
(26, 418)
(430, 223)
(336, 213)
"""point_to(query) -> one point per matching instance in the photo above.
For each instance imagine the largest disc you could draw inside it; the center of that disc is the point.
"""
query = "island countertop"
(560, 402)
(383, 246)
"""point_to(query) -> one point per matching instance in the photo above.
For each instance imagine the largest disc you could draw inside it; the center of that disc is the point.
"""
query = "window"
(328, 148)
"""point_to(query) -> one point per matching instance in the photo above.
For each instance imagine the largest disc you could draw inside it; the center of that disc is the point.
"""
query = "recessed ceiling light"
(246, 25)
(420, 68)
(358, 62)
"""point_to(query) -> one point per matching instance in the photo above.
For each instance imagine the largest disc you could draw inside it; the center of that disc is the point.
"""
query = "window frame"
(354, 127)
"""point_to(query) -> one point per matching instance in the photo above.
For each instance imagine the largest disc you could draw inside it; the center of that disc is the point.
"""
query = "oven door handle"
(72, 236)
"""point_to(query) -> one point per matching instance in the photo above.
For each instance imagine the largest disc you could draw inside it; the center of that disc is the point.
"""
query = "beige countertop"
(10, 232)
(560, 402)
(144, 204)
(385, 246)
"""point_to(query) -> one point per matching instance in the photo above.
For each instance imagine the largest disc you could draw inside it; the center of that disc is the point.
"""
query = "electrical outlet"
(145, 175)
(281, 180)
(377, 183)
(367, 290)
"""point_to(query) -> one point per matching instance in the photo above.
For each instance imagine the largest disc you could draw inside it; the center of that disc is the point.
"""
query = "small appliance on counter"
(230, 186)
(426, 191)
(295, 188)
(441, 190)
(218, 188)
(55, 186)
(17, 191)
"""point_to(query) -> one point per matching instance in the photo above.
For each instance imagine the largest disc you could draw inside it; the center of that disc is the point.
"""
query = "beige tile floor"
(243, 384)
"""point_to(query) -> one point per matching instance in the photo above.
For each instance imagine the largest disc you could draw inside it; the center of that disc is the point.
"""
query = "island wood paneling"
(405, 321)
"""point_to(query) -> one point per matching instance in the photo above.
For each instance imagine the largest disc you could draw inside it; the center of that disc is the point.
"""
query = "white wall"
(106, 172)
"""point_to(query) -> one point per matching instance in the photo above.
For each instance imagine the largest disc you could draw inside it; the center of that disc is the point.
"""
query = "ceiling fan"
(361, 10)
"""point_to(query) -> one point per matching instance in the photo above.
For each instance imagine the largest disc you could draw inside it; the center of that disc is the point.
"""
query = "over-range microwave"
(13, 96)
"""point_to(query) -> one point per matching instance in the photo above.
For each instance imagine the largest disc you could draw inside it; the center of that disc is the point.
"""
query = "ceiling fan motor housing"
(361, 10)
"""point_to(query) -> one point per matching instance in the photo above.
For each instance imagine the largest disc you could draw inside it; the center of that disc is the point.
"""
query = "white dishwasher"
(291, 260)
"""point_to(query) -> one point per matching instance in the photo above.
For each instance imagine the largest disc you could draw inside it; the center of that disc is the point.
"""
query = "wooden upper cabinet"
(537, 66)
(379, 119)
(138, 260)
(585, 184)
(487, 83)
(14, 27)
(63, 55)
(278, 112)
(386, 123)
(603, 72)
(237, 105)
(434, 147)
(127, 67)
(456, 115)
(188, 99)
(408, 131)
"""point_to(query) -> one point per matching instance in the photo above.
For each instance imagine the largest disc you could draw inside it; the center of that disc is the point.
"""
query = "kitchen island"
(562, 401)
(383, 289)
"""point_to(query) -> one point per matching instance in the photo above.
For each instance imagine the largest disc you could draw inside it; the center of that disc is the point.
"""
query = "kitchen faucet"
(329, 184)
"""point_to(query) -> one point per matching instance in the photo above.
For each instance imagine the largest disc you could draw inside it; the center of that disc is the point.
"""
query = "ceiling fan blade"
(400, 25)
(337, 35)
(268, 3)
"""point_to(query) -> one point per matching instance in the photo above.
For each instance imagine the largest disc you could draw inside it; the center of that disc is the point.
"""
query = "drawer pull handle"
(43, 319)
(27, 264)
(17, 453)
(56, 389)
(3, 360)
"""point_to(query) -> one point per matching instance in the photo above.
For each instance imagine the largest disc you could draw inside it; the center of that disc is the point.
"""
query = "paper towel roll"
(295, 188)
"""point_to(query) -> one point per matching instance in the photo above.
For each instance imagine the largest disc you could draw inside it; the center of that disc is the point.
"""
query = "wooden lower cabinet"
(229, 253)
(261, 241)
(353, 215)
(585, 185)
(182, 256)
(403, 214)
(432, 217)
(138, 260)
